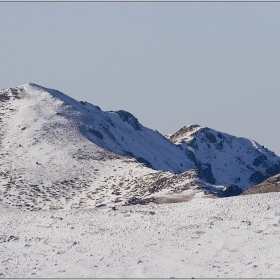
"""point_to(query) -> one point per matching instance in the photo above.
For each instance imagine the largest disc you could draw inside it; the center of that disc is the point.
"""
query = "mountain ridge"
(229, 158)
(58, 152)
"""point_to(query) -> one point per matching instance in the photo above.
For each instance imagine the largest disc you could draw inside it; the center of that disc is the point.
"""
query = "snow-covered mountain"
(57, 152)
(223, 158)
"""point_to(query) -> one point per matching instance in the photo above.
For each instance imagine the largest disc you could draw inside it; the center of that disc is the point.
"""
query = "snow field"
(205, 237)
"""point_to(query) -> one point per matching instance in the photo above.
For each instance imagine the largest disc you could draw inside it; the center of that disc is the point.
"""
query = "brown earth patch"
(270, 185)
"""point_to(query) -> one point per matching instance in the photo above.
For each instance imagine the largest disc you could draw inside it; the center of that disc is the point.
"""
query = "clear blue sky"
(169, 64)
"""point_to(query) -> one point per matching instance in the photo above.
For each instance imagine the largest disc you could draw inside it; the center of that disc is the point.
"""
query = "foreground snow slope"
(226, 237)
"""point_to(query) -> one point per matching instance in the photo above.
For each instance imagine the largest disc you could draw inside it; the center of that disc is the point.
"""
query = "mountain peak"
(31, 85)
(229, 159)
(184, 133)
(129, 118)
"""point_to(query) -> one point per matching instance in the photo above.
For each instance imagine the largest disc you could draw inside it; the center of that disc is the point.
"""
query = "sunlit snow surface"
(59, 153)
(67, 159)
(226, 237)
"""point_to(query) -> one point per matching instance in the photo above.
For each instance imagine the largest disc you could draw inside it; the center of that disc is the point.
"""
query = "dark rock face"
(85, 103)
(231, 190)
(193, 144)
(220, 135)
(190, 154)
(259, 176)
(211, 137)
(130, 154)
(204, 169)
(4, 97)
(129, 118)
(139, 159)
(110, 135)
(260, 160)
(96, 133)
(146, 162)
(137, 200)
(273, 170)
(219, 145)
(205, 173)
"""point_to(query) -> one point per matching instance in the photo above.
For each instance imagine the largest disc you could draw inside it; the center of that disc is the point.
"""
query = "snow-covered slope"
(225, 159)
(235, 237)
(115, 131)
(57, 152)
